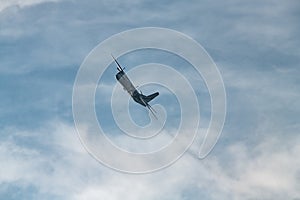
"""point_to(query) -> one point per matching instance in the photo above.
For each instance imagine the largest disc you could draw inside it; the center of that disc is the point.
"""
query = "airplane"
(133, 92)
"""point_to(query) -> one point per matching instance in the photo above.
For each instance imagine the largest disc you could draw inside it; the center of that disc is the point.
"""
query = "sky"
(255, 45)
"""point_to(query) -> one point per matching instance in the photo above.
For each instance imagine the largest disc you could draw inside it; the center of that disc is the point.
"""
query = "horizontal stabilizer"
(150, 97)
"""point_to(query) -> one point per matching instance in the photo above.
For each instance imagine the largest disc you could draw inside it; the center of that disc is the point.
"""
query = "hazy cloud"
(21, 3)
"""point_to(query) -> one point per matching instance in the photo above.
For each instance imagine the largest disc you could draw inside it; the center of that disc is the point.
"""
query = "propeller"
(119, 66)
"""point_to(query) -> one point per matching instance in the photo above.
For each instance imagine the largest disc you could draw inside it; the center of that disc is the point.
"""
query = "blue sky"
(256, 47)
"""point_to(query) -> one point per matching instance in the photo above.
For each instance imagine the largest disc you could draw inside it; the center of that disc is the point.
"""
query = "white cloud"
(21, 3)
(50, 161)
(269, 174)
(269, 170)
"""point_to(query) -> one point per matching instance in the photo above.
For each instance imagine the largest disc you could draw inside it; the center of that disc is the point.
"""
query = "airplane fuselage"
(128, 86)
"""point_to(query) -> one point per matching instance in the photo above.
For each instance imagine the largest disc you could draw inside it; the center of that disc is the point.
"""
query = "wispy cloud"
(21, 3)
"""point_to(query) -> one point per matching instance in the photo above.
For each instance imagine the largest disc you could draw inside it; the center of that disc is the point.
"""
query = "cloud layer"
(267, 170)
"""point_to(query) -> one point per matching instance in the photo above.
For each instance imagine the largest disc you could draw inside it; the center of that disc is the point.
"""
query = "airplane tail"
(150, 97)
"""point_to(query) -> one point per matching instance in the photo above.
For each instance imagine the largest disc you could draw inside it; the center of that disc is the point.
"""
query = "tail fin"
(150, 97)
